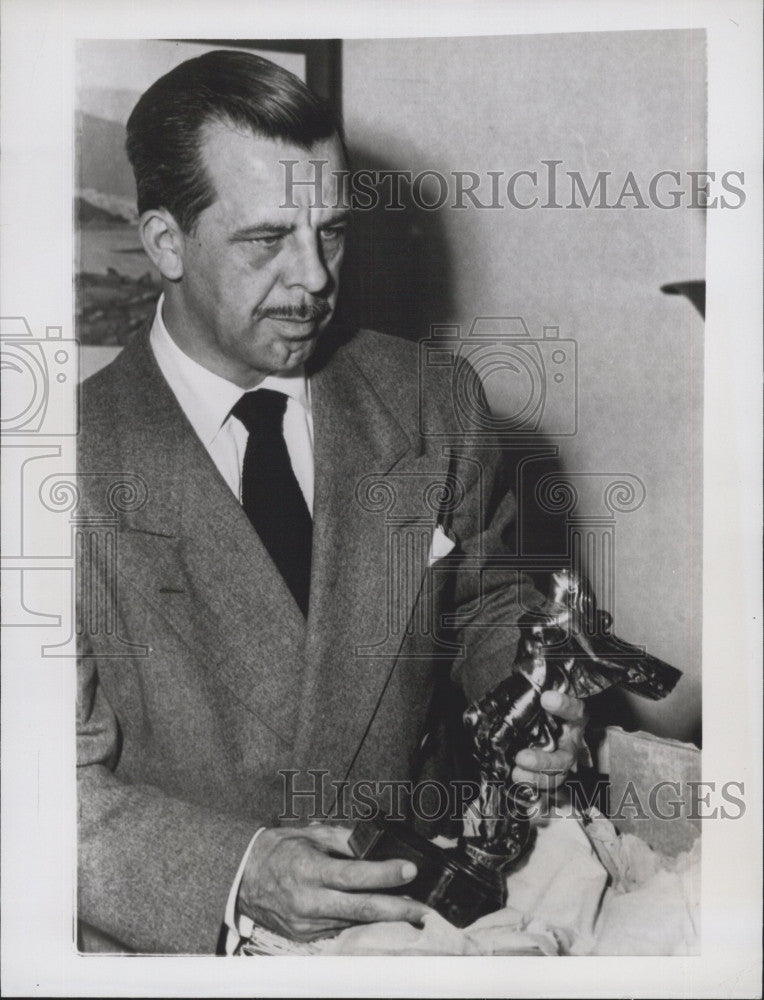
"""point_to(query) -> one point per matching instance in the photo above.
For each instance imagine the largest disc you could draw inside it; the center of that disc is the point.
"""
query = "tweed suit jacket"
(220, 694)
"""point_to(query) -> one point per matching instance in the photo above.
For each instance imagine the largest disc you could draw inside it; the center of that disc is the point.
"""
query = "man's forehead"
(238, 160)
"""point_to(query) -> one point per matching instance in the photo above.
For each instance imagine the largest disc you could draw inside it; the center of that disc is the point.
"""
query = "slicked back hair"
(166, 128)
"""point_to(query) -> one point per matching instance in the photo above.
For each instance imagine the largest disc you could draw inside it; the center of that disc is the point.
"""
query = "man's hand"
(292, 885)
(547, 770)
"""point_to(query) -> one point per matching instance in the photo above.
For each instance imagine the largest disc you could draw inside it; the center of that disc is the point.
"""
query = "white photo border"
(38, 844)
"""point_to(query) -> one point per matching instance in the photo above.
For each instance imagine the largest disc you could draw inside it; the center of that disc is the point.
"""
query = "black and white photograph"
(381, 502)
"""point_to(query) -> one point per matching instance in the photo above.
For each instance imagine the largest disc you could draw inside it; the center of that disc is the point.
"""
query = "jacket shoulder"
(108, 403)
(399, 370)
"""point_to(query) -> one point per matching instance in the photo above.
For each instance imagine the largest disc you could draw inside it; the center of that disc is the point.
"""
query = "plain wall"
(616, 102)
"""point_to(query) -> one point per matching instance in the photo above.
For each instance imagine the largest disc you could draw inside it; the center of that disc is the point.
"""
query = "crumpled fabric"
(660, 915)
(562, 900)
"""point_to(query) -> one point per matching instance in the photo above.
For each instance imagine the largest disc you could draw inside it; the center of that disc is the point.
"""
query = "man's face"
(259, 280)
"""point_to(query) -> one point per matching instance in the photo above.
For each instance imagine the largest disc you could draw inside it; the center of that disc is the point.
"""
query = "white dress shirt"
(207, 400)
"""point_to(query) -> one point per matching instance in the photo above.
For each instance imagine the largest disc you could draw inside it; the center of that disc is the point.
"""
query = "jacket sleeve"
(489, 592)
(154, 871)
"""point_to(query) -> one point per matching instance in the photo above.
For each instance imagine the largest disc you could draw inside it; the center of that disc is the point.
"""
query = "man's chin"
(293, 352)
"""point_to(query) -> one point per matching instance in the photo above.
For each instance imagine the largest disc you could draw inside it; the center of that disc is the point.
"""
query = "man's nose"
(306, 267)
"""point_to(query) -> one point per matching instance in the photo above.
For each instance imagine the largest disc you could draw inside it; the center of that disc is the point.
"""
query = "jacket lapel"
(194, 555)
(368, 473)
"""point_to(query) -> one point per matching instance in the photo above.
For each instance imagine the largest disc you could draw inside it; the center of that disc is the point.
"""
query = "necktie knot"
(261, 409)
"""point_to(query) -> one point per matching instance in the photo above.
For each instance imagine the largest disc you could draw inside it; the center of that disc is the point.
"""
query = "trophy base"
(452, 881)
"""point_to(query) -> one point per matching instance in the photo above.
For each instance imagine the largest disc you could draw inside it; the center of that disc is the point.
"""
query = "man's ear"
(163, 241)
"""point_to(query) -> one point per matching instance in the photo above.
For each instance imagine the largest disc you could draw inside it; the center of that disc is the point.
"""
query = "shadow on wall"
(398, 268)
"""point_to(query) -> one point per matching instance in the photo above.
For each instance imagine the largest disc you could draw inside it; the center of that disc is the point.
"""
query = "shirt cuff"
(238, 925)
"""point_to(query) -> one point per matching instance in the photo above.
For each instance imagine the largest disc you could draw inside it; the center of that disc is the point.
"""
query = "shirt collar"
(206, 398)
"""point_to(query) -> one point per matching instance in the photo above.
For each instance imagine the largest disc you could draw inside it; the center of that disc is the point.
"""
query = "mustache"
(305, 311)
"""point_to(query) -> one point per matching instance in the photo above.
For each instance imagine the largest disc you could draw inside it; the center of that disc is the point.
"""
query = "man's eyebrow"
(337, 219)
(276, 229)
(261, 229)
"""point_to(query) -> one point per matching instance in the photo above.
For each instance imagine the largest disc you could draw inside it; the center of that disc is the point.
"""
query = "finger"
(539, 781)
(545, 760)
(330, 837)
(369, 908)
(571, 737)
(564, 706)
(358, 875)
(535, 759)
(533, 763)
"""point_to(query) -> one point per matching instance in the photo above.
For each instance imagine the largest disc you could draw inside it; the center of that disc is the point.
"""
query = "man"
(253, 570)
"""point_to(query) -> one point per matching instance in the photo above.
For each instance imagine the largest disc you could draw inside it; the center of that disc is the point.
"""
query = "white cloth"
(559, 901)
(207, 400)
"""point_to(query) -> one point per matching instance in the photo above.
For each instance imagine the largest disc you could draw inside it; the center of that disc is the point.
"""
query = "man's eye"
(333, 235)
(267, 241)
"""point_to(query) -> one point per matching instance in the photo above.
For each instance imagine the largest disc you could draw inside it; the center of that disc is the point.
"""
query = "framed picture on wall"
(115, 283)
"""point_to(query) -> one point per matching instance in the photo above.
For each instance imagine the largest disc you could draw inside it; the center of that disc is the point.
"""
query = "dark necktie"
(271, 495)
